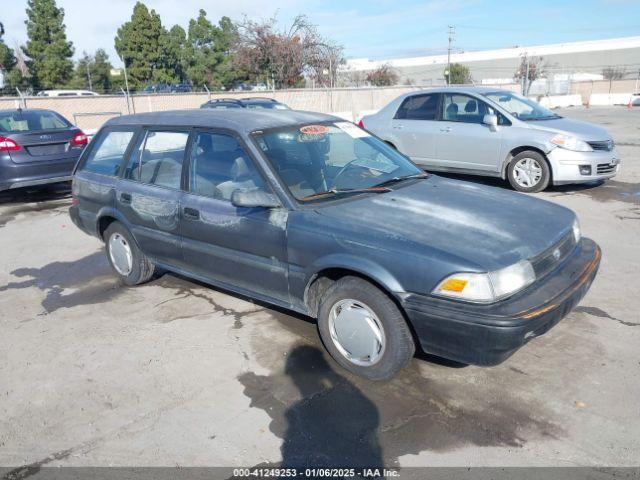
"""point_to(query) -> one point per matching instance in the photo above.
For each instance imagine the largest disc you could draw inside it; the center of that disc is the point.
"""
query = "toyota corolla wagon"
(311, 213)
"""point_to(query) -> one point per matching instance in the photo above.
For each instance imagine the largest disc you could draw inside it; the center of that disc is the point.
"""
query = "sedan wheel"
(527, 172)
(132, 265)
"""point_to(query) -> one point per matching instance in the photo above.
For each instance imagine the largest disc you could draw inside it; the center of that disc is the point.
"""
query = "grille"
(606, 146)
(606, 168)
(547, 261)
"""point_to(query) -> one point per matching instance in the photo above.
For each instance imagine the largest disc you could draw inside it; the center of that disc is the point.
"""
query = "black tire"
(544, 165)
(399, 344)
(142, 268)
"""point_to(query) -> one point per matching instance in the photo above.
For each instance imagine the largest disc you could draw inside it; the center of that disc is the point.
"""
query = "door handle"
(191, 213)
(445, 129)
(125, 197)
(398, 127)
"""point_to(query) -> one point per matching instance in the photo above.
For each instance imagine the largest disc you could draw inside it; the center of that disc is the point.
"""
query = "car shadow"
(500, 183)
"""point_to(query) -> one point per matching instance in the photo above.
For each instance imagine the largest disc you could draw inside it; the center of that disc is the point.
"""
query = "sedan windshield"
(521, 107)
(29, 121)
(333, 159)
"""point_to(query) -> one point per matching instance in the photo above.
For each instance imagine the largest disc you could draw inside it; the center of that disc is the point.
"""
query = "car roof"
(459, 89)
(27, 110)
(236, 119)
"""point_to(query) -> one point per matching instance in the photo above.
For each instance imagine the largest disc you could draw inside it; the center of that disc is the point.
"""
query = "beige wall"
(353, 100)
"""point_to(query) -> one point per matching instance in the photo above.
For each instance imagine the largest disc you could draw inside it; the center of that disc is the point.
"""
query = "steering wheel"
(348, 171)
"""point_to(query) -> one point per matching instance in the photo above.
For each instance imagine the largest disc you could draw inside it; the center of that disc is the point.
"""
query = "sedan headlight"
(571, 143)
(487, 287)
(576, 230)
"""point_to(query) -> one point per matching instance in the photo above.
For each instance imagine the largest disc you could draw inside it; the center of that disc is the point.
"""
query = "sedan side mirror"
(254, 197)
(491, 120)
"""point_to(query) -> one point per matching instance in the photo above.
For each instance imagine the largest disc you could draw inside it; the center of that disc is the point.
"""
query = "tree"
(177, 50)
(529, 71)
(458, 74)
(48, 51)
(93, 72)
(210, 51)
(143, 44)
(263, 52)
(383, 76)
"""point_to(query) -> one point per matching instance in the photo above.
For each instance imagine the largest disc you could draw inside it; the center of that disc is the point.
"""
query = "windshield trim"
(330, 199)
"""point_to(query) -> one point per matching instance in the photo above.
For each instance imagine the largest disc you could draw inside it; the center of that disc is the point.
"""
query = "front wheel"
(363, 329)
(529, 172)
(127, 260)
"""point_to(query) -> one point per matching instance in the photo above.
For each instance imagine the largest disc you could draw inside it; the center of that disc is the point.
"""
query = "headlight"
(571, 143)
(576, 230)
(487, 287)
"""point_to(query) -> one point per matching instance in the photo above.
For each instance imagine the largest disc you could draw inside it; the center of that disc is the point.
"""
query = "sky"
(375, 29)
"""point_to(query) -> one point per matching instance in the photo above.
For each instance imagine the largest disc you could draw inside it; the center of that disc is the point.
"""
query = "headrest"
(471, 106)
(452, 110)
(240, 168)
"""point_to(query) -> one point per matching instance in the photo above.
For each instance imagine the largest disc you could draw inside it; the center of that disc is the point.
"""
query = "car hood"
(582, 130)
(486, 228)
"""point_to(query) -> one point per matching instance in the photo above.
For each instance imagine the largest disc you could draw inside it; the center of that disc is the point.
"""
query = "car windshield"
(29, 121)
(521, 107)
(326, 160)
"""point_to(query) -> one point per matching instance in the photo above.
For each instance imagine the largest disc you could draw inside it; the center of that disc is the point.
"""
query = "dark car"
(180, 88)
(157, 88)
(37, 147)
(309, 212)
(251, 102)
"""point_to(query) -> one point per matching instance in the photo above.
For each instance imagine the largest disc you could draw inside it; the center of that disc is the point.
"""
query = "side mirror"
(491, 121)
(255, 197)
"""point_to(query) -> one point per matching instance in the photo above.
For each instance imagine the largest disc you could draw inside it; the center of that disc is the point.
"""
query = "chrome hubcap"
(120, 254)
(356, 332)
(527, 172)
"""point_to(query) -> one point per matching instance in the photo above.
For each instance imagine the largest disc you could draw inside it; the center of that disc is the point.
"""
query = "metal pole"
(89, 76)
(208, 91)
(448, 75)
(22, 99)
(126, 79)
(526, 79)
(637, 79)
(126, 97)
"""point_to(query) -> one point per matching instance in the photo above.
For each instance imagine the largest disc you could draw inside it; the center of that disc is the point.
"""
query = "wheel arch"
(328, 272)
(518, 150)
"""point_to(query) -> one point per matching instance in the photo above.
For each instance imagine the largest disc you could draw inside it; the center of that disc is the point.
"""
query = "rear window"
(158, 159)
(107, 153)
(29, 121)
(419, 107)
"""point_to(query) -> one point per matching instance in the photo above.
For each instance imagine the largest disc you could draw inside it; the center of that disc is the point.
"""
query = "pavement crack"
(597, 312)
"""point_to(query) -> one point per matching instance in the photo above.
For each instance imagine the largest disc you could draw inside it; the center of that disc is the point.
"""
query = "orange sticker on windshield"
(314, 130)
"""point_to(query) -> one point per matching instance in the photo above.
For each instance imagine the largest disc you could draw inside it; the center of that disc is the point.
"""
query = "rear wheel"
(529, 172)
(129, 263)
(363, 329)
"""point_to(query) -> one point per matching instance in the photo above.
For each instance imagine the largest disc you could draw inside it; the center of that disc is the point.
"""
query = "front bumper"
(565, 165)
(489, 334)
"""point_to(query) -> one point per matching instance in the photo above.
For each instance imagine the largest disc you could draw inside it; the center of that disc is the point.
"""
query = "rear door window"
(108, 151)
(31, 120)
(419, 107)
(158, 159)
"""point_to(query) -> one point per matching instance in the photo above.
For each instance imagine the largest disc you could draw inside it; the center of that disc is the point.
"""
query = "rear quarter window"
(106, 155)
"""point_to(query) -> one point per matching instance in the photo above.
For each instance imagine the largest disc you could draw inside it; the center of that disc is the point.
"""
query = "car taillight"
(79, 139)
(361, 124)
(8, 145)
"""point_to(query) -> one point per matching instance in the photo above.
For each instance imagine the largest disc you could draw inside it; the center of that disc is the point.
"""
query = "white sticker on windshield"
(352, 130)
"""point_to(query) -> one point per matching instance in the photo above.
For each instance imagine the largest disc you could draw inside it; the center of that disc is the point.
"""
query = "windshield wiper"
(402, 179)
(537, 119)
(337, 192)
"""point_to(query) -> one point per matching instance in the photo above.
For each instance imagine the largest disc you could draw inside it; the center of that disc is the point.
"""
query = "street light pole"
(448, 72)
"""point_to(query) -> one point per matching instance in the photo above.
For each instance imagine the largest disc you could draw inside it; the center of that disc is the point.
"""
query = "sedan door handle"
(191, 213)
(398, 127)
(125, 197)
(445, 129)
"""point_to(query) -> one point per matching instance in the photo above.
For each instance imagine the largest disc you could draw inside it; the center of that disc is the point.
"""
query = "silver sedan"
(496, 133)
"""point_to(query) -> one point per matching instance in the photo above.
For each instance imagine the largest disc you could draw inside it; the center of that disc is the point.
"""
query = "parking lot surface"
(176, 373)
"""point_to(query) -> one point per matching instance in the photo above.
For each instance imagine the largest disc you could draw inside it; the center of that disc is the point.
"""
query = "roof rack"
(260, 98)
